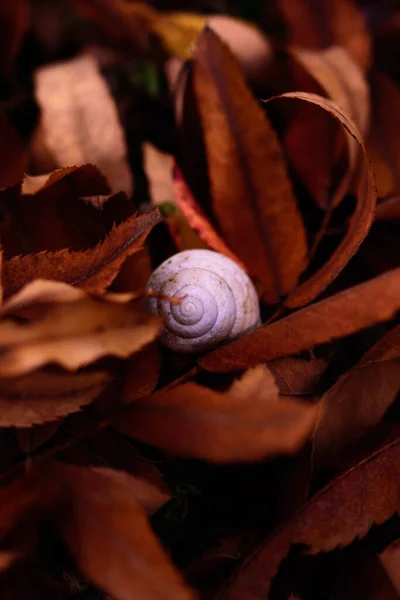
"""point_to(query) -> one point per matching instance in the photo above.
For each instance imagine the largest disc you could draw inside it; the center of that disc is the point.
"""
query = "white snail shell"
(219, 302)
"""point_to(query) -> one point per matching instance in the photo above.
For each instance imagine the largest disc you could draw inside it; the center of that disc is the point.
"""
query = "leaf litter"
(145, 465)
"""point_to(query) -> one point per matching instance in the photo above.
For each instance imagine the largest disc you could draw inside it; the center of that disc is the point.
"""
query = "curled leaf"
(361, 219)
(252, 196)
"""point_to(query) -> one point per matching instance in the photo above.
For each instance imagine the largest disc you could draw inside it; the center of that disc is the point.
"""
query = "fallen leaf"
(252, 196)
(297, 376)
(390, 561)
(56, 217)
(333, 518)
(367, 304)
(80, 121)
(358, 400)
(73, 333)
(45, 396)
(141, 374)
(120, 454)
(386, 97)
(344, 83)
(361, 219)
(198, 220)
(258, 382)
(108, 532)
(93, 270)
(318, 24)
(34, 437)
(195, 421)
(388, 209)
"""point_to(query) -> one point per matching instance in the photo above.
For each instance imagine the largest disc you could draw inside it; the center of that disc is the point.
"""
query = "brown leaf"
(358, 400)
(14, 155)
(80, 121)
(386, 98)
(388, 209)
(372, 302)
(320, 23)
(71, 333)
(360, 221)
(141, 374)
(93, 270)
(195, 421)
(252, 196)
(297, 376)
(31, 439)
(107, 531)
(258, 382)
(56, 217)
(120, 454)
(333, 518)
(14, 21)
(46, 396)
(198, 220)
(344, 83)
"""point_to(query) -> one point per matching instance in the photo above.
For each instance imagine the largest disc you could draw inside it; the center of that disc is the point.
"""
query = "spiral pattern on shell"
(218, 300)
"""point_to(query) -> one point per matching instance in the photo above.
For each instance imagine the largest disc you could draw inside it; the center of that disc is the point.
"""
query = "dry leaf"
(252, 197)
(107, 530)
(344, 83)
(73, 333)
(195, 421)
(56, 217)
(80, 121)
(358, 400)
(198, 221)
(360, 221)
(364, 305)
(93, 270)
(258, 382)
(141, 374)
(45, 396)
(297, 376)
(320, 23)
(388, 209)
(34, 437)
(333, 517)
(386, 98)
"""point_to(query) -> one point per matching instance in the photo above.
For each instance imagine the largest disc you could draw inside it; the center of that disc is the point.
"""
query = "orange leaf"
(108, 532)
(195, 421)
(70, 329)
(321, 23)
(198, 220)
(358, 400)
(252, 196)
(334, 517)
(93, 270)
(364, 305)
(360, 221)
(46, 396)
